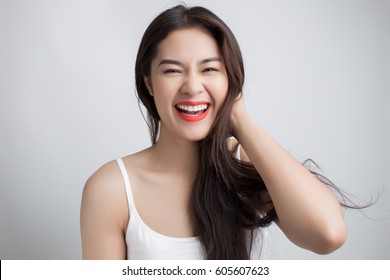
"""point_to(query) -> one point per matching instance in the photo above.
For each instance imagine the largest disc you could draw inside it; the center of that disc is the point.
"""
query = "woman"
(198, 192)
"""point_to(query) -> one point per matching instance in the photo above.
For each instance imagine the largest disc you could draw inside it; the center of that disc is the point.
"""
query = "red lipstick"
(192, 111)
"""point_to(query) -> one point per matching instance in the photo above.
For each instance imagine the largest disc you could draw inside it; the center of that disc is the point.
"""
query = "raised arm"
(308, 213)
(104, 215)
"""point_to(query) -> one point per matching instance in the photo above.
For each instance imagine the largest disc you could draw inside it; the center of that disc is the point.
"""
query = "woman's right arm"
(104, 215)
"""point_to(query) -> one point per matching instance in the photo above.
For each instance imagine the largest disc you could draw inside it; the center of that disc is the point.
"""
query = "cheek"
(163, 91)
(159, 87)
(220, 90)
(163, 96)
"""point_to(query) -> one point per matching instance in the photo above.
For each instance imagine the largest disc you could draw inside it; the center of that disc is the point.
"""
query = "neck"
(174, 154)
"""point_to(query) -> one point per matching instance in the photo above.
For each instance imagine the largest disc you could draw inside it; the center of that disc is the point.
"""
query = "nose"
(192, 85)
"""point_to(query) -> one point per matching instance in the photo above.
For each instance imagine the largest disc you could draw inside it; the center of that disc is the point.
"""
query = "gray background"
(318, 80)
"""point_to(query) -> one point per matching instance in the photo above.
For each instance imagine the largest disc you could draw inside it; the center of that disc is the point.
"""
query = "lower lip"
(193, 118)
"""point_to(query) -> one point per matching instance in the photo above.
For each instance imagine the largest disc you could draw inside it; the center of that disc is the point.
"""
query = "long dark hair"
(229, 199)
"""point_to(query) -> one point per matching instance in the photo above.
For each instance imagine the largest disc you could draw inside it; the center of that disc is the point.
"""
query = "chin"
(195, 136)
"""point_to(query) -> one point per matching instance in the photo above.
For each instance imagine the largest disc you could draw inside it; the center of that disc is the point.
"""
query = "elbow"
(332, 238)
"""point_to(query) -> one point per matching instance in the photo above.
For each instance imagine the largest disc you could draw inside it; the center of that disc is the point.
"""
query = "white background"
(318, 80)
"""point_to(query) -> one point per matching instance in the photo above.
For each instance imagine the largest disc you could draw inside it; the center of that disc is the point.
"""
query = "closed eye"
(210, 69)
(171, 71)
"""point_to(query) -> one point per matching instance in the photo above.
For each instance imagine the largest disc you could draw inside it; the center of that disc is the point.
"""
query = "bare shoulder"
(104, 214)
(105, 187)
(233, 144)
(107, 180)
(104, 194)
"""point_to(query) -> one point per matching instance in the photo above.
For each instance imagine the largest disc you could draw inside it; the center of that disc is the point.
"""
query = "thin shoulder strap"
(129, 193)
(238, 152)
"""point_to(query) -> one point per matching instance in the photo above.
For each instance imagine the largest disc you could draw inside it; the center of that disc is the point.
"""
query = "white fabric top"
(143, 243)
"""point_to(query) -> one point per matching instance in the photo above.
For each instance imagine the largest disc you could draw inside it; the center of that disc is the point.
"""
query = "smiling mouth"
(192, 110)
(192, 113)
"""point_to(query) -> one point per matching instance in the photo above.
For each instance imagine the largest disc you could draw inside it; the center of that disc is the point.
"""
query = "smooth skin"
(162, 175)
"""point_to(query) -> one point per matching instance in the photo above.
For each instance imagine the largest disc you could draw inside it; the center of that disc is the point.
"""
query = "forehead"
(192, 43)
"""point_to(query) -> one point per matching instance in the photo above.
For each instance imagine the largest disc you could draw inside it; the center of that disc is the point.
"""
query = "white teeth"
(193, 108)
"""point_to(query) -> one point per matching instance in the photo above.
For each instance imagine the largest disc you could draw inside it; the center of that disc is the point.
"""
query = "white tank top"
(143, 243)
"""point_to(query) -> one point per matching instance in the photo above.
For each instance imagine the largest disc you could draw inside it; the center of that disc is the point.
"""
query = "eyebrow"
(176, 62)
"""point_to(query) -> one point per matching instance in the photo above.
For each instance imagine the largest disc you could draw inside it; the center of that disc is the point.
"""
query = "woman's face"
(189, 83)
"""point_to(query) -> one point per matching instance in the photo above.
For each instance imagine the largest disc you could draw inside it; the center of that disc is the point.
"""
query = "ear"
(148, 85)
